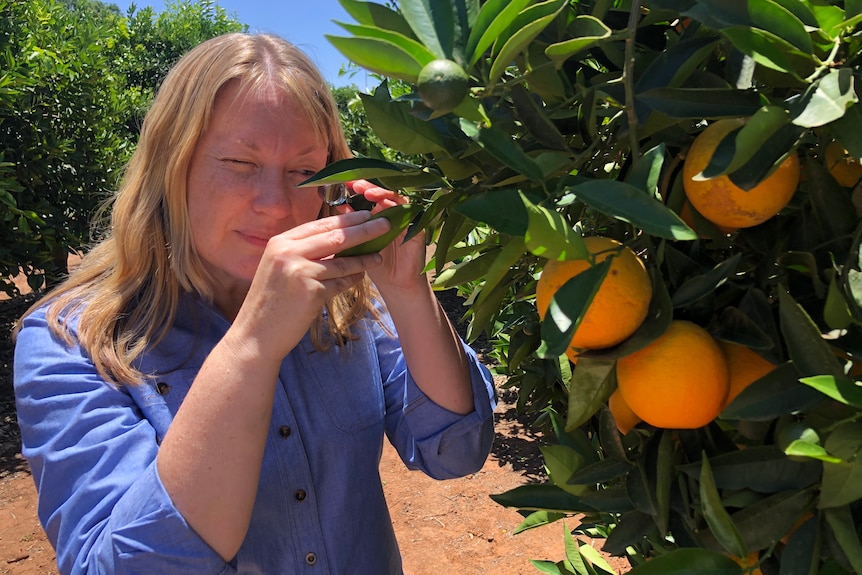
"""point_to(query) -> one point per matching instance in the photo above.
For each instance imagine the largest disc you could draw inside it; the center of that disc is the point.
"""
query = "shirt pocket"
(161, 395)
(169, 388)
(346, 384)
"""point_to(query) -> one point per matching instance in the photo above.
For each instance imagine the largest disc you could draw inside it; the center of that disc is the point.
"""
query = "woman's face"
(241, 183)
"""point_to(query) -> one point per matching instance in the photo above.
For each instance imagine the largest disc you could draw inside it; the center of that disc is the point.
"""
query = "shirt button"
(162, 388)
(310, 558)
(300, 495)
(284, 431)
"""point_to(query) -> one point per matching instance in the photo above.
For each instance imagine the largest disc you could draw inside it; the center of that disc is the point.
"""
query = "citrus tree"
(651, 209)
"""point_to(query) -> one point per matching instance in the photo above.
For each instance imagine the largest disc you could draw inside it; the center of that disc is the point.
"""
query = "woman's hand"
(402, 262)
(431, 346)
(297, 275)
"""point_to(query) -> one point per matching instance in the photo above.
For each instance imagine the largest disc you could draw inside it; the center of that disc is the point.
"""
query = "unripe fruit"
(399, 217)
(442, 85)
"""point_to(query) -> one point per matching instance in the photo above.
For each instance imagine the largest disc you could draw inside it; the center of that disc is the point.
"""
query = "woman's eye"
(237, 162)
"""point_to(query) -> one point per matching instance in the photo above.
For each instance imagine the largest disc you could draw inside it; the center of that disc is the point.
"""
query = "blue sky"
(303, 22)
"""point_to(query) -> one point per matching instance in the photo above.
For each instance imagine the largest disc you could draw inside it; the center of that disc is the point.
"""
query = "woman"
(208, 392)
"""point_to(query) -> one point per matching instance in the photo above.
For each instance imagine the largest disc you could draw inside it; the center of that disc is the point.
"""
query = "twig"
(628, 78)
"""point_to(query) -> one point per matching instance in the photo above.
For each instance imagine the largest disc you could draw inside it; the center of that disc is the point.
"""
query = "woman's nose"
(273, 194)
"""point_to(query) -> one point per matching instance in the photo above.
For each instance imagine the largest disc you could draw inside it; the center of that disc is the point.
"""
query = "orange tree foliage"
(577, 122)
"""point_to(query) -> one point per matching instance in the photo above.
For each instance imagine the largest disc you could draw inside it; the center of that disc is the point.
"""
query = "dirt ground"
(444, 527)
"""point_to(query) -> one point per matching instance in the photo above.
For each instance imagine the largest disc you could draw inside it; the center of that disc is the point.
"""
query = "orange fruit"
(744, 365)
(624, 417)
(688, 217)
(679, 381)
(620, 305)
(844, 168)
(723, 203)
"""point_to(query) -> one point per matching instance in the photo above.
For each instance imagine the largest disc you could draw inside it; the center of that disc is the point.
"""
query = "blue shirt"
(320, 507)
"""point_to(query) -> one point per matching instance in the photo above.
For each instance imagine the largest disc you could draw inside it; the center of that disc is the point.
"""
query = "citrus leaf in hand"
(358, 169)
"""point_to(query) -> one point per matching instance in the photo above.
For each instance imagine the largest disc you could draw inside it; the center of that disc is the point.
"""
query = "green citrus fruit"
(442, 84)
(399, 217)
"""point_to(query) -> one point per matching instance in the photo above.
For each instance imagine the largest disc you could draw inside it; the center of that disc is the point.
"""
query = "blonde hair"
(126, 290)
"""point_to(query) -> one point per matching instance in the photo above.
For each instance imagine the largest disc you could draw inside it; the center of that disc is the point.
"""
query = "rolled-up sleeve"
(92, 455)
(441, 443)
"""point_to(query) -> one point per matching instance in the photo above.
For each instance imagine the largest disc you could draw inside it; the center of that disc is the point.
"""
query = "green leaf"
(466, 271)
(550, 567)
(592, 384)
(833, 206)
(378, 56)
(528, 24)
(802, 551)
(455, 228)
(561, 462)
(503, 210)
(672, 67)
(764, 469)
(845, 531)
(777, 393)
(766, 15)
(699, 286)
(397, 127)
(697, 103)
(764, 522)
(640, 488)
(410, 46)
(603, 471)
(500, 145)
(848, 130)
(840, 388)
(647, 170)
(373, 14)
(805, 344)
(550, 236)
(512, 251)
(358, 168)
(825, 100)
(544, 496)
(740, 145)
(770, 50)
(536, 122)
(665, 477)
(490, 307)
(842, 482)
(763, 162)
(567, 308)
(433, 22)
(688, 561)
(610, 500)
(592, 555)
(574, 438)
(538, 519)
(802, 448)
(574, 560)
(585, 32)
(801, 11)
(630, 530)
(495, 17)
(629, 204)
(717, 517)
(836, 312)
